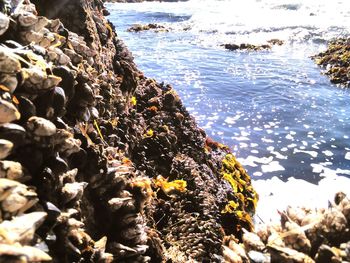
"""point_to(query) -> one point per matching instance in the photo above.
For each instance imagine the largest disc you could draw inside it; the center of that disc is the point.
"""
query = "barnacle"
(172, 186)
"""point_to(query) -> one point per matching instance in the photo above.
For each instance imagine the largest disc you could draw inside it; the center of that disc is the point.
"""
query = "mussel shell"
(8, 112)
(26, 108)
(52, 103)
(84, 95)
(31, 158)
(67, 83)
(13, 132)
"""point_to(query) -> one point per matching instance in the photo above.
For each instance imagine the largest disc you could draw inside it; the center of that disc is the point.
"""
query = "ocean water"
(286, 123)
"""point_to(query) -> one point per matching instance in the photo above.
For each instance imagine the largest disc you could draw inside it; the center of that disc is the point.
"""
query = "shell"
(11, 170)
(5, 148)
(258, 257)
(238, 249)
(327, 254)
(283, 254)
(40, 126)
(252, 241)
(24, 253)
(230, 256)
(72, 191)
(116, 203)
(19, 200)
(6, 187)
(8, 62)
(333, 223)
(4, 23)
(13, 132)
(8, 112)
(31, 36)
(40, 23)
(10, 81)
(27, 19)
(65, 142)
(22, 228)
(295, 237)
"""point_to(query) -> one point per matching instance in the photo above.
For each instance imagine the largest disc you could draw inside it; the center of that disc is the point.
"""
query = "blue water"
(275, 110)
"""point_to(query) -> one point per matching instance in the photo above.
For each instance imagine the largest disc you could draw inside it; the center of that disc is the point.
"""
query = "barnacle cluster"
(302, 235)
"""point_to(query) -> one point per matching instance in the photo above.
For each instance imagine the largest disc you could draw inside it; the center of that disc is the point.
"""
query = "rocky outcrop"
(154, 27)
(251, 47)
(336, 61)
(99, 163)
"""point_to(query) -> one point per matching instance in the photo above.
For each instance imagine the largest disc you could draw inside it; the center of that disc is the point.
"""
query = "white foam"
(327, 153)
(347, 156)
(289, 137)
(279, 156)
(232, 120)
(258, 174)
(273, 166)
(274, 194)
(267, 140)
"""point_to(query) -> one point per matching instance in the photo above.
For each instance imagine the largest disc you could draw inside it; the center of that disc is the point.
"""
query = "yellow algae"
(133, 100)
(149, 133)
(172, 186)
(230, 207)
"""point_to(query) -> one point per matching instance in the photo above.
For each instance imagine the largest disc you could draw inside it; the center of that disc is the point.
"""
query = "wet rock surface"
(152, 26)
(98, 162)
(251, 47)
(336, 61)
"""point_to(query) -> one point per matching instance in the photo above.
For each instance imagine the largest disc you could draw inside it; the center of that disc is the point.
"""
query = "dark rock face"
(336, 61)
(102, 163)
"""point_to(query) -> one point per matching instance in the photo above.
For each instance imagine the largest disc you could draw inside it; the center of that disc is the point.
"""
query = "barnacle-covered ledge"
(97, 162)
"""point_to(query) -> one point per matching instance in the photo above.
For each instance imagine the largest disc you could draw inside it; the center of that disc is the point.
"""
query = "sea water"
(286, 123)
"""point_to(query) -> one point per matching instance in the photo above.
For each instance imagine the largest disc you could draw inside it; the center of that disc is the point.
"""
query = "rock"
(335, 61)
(153, 27)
